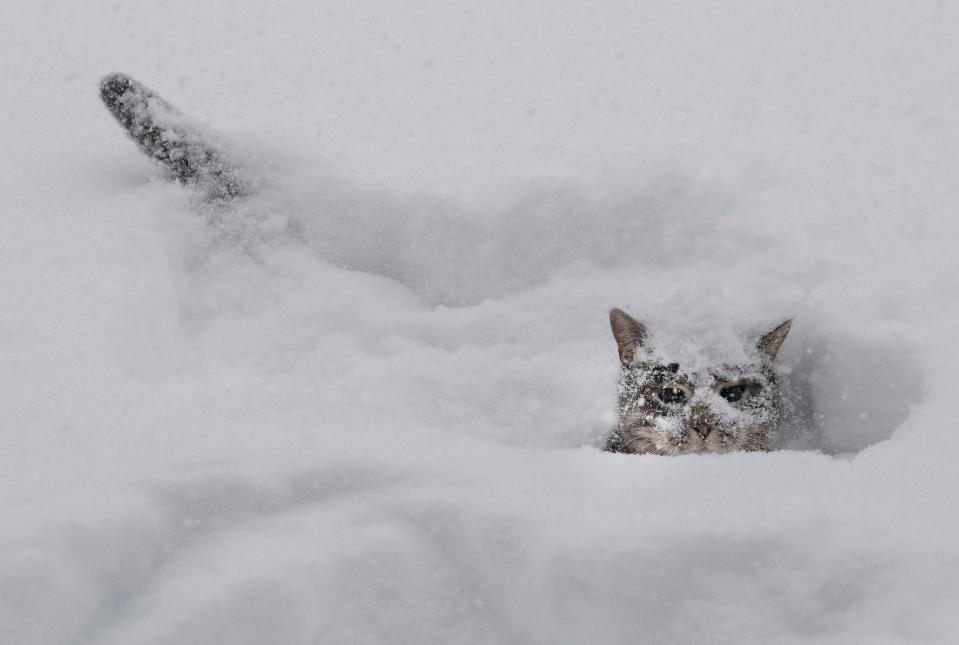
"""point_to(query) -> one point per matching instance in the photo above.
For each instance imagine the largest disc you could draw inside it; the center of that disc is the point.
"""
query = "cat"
(665, 407)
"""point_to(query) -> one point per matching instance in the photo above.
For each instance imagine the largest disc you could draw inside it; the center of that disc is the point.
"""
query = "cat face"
(666, 409)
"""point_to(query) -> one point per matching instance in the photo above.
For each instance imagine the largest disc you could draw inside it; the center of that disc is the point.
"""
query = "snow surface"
(387, 435)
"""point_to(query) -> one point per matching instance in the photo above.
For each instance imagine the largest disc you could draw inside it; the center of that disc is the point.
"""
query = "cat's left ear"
(770, 343)
(628, 332)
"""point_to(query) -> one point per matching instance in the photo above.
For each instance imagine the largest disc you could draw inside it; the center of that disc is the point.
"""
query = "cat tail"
(173, 139)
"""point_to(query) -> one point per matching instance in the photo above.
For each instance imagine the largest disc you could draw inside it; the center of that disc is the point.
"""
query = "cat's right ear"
(770, 343)
(628, 332)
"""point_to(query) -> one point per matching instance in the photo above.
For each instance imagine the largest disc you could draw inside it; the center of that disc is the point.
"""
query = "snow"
(382, 429)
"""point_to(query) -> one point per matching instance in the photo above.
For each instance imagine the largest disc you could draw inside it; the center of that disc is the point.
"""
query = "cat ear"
(770, 343)
(628, 332)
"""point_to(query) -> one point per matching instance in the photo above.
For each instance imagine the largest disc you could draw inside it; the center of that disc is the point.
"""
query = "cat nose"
(701, 423)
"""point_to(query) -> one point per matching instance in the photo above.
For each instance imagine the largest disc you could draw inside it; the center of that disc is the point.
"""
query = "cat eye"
(733, 393)
(671, 395)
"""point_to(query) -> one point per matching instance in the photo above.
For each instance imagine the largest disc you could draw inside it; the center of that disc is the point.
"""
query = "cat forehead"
(720, 350)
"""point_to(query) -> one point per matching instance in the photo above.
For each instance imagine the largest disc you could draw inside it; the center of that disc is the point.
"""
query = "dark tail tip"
(114, 86)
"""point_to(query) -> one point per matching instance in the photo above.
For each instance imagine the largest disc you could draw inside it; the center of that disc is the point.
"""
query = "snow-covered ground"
(387, 434)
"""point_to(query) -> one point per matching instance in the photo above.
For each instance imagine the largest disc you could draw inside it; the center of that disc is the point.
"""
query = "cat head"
(671, 408)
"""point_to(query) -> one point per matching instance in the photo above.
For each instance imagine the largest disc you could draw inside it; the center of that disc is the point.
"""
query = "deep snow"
(381, 429)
